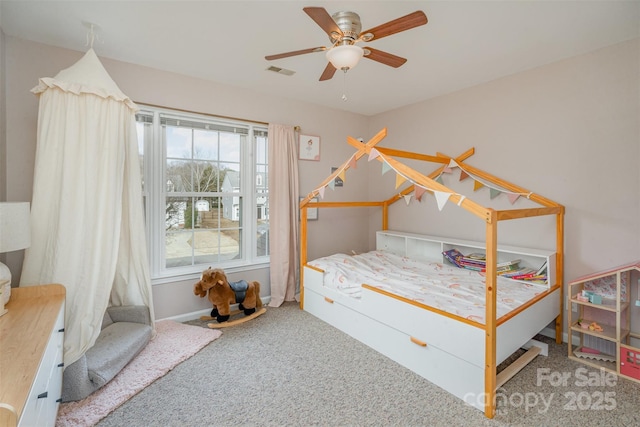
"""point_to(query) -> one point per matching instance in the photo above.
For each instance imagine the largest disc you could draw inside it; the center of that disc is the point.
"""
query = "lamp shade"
(15, 232)
(345, 57)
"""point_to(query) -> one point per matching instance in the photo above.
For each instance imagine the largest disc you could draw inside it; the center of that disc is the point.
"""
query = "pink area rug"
(174, 343)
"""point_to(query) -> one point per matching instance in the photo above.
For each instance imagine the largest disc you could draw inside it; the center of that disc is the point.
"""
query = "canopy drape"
(87, 220)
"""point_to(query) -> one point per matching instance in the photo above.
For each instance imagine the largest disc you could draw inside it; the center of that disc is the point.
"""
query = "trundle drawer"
(412, 352)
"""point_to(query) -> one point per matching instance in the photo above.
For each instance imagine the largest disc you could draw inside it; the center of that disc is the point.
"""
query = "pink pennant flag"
(463, 175)
(407, 199)
(477, 185)
(447, 169)
(513, 197)
(373, 154)
(399, 180)
(441, 198)
(419, 191)
(353, 163)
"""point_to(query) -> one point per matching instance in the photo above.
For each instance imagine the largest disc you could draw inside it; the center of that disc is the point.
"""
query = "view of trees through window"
(206, 194)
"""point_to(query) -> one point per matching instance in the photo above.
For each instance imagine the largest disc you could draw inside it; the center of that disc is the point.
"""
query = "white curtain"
(87, 223)
(283, 213)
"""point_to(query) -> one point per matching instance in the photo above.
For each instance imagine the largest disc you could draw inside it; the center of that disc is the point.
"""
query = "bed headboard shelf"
(431, 248)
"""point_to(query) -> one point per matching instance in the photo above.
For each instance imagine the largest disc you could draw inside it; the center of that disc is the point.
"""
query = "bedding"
(457, 291)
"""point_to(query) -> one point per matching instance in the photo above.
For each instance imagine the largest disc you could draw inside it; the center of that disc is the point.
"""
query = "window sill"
(186, 276)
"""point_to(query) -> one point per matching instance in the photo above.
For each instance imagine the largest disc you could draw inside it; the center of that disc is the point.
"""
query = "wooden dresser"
(31, 356)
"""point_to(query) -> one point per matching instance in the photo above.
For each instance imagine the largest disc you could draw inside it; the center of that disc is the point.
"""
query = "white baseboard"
(194, 315)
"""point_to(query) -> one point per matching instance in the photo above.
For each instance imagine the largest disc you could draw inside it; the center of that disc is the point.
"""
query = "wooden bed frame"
(418, 336)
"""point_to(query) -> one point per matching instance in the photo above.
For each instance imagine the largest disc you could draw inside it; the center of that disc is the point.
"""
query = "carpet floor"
(288, 368)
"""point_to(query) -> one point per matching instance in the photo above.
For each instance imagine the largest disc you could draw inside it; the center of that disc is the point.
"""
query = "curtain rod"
(295, 128)
(204, 114)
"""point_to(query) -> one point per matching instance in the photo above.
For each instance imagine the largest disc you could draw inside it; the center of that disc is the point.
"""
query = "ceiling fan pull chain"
(344, 86)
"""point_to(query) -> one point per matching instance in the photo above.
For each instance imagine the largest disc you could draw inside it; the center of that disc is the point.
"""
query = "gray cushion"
(116, 345)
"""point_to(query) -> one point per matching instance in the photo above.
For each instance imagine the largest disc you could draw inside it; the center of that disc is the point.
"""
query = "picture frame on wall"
(309, 148)
(312, 213)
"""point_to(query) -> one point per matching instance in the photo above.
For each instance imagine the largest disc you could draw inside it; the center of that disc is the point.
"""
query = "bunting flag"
(385, 167)
(332, 184)
(461, 199)
(493, 192)
(453, 164)
(419, 191)
(399, 180)
(439, 179)
(513, 197)
(447, 169)
(407, 199)
(342, 175)
(321, 192)
(373, 154)
(477, 185)
(463, 175)
(441, 198)
(353, 163)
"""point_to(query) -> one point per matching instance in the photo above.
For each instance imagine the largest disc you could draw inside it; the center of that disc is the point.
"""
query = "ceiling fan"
(344, 31)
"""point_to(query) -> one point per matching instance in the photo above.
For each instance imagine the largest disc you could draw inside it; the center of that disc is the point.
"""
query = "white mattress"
(453, 290)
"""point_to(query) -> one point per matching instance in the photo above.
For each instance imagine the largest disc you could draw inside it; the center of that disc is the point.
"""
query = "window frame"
(155, 194)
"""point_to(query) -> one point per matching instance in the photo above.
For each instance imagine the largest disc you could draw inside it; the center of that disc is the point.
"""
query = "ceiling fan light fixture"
(345, 57)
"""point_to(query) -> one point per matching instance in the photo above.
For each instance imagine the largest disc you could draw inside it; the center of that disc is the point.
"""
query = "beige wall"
(568, 131)
(28, 61)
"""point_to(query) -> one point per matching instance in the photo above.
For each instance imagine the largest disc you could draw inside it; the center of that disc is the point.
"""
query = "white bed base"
(421, 339)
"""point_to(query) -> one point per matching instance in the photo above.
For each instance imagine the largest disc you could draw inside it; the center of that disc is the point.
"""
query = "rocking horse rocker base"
(238, 321)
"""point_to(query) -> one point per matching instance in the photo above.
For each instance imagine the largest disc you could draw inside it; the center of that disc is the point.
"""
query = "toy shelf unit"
(533, 263)
(603, 320)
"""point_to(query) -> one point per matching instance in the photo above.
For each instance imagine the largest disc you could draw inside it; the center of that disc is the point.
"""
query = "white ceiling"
(465, 42)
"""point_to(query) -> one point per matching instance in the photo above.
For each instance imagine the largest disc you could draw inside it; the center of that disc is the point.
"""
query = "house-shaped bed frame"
(538, 312)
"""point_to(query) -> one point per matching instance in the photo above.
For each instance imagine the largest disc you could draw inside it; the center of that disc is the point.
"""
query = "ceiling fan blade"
(294, 53)
(328, 72)
(384, 57)
(404, 23)
(324, 20)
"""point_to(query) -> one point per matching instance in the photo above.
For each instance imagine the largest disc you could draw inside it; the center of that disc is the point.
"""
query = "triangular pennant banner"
(494, 192)
(342, 175)
(463, 175)
(441, 198)
(385, 167)
(332, 184)
(373, 154)
(407, 199)
(447, 169)
(439, 179)
(321, 192)
(513, 197)
(419, 191)
(477, 185)
(399, 180)
(353, 163)
(453, 164)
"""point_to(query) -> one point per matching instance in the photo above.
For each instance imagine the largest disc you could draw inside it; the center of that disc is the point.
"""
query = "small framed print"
(312, 213)
(309, 148)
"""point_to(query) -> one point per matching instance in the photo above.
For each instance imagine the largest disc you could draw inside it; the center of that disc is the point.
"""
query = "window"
(205, 189)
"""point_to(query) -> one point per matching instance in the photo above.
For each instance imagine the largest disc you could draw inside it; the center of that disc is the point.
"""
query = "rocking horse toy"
(223, 294)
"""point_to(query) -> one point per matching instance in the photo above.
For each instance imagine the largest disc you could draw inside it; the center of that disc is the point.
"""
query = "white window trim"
(155, 196)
